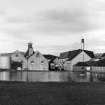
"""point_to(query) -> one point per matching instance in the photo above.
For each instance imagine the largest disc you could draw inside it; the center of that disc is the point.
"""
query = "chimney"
(29, 51)
(82, 44)
(29, 45)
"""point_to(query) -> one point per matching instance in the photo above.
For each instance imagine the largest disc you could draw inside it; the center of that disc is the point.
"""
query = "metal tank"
(4, 62)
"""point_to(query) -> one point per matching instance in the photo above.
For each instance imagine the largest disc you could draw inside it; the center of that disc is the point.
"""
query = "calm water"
(38, 76)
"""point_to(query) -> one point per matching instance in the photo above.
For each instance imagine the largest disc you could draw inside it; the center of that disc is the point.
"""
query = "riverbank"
(21, 93)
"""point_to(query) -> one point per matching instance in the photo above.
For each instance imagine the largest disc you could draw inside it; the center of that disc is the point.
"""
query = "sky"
(53, 26)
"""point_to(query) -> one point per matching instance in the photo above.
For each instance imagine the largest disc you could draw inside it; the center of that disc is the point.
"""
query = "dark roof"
(100, 63)
(103, 55)
(92, 63)
(50, 56)
(81, 64)
(89, 53)
(74, 53)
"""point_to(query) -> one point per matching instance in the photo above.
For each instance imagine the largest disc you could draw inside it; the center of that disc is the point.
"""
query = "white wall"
(98, 69)
(4, 62)
(18, 58)
(79, 58)
(39, 62)
(67, 65)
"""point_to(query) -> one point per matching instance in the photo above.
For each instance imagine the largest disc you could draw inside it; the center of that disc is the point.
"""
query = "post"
(83, 46)
(91, 77)
(21, 69)
(27, 69)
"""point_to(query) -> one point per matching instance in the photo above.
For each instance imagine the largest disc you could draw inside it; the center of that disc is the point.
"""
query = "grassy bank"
(16, 93)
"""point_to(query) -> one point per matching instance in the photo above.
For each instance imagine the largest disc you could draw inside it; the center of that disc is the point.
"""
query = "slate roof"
(103, 55)
(89, 53)
(100, 63)
(72, 54)
(50, 56)
(82, 64)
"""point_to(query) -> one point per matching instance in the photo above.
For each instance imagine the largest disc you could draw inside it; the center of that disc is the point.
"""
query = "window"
(17, 55)
(42, 61)
(32, 62)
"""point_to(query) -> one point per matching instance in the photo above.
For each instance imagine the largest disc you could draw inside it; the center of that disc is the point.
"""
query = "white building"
(73, 57)
(35, 60)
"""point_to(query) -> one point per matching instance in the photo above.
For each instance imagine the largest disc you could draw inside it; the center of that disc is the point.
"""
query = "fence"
(79, 68)
(98, 69)
(87, 68)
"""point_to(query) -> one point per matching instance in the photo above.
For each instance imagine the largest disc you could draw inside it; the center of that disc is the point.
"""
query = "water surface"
(51, 76)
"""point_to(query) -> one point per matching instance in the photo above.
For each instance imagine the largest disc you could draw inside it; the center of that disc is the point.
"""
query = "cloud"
(78, 17)
(74, 21)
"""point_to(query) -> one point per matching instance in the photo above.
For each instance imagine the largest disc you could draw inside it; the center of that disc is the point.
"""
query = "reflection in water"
(101, 76)
(80, 76)
(4, 76)
(39, 76)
